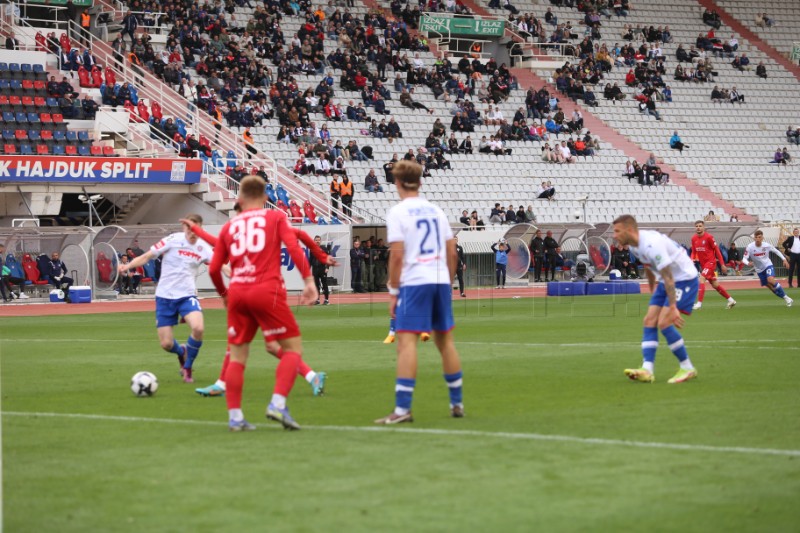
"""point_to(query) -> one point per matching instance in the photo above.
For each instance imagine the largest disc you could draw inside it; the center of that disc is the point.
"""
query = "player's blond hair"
(252, 187)
(407, 174)
(194, 217)
(627, 220)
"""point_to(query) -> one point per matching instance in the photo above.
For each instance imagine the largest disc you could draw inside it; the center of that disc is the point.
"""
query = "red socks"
(723, 292)
(225, 364)
(302, 368)
(234, 382)
(285, 374)
(702, 293)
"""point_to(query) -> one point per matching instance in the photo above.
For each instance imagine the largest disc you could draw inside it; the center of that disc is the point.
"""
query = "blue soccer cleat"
(211, 390)
(240, 425)
(282, 416)
(318, 383)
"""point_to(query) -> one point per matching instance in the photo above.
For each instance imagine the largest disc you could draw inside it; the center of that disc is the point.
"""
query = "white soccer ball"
(144, 384)
(615, 274)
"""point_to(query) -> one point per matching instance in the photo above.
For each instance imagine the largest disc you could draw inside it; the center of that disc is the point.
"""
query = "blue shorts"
(766, 273)
(685, 295)
(424, 308)
(168, 311)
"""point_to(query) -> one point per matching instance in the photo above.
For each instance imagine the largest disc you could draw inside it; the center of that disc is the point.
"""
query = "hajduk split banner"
(104, 170)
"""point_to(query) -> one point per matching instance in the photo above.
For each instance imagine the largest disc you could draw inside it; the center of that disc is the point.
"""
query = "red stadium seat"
(39, 86)
(58, 118)
(27, 101)
(310, 212)
(108, 151)
(45, 118)
(47, 135)
(104, 267)
(3, 99)
(15, 100)
(96, 151)
(71, 149)
(21, 135)
(31, 270)
(41, 149)
(40, 103)
(10, 149)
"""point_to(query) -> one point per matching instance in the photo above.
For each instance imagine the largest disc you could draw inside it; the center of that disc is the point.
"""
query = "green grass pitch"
(555, 438)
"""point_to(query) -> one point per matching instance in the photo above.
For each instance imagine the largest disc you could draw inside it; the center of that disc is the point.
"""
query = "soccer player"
(181, 255)
(706, 252)
(421, 268)
(256, 298)
(759, 252)
(315, 379)
(673, 285)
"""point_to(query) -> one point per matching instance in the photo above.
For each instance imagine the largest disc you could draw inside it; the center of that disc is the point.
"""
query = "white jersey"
(424, 231)
(179, 263)
(656, 251)
(759, 255)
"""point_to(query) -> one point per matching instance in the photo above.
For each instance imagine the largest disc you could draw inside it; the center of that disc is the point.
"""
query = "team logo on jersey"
(231, 331)
(276, 331)
(658, 259)
(190, 254)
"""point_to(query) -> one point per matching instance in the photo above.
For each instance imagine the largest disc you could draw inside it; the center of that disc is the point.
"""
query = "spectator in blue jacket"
(675, 142)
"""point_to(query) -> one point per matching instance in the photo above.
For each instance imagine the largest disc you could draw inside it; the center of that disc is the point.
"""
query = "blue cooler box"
(613, 287)
(56, 296)
(80, 294)
(566, 288)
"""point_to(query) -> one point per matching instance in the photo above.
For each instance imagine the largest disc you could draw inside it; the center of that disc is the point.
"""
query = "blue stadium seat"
(3, 68)
(83, 136)
(22, 118)
(8, 117)
(34, 135)
(33, 118)
(52, 103)
(59, 136)
(5, 86)
(58, 150)
(14, 68)
(38, 69)
(8, 135)
(27, 69)
(15, 85)
(25, 149)
(72, 137)
(83, 150)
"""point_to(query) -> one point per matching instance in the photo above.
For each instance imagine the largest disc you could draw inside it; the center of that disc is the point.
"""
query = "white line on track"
(588, 441)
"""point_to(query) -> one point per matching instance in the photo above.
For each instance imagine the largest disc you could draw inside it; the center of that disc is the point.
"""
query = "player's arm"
(651, 279)
(137, 262)
(396, 254)
(777, 252)
(452, 257)
(669, 285)
(200, 232)
(219, 259)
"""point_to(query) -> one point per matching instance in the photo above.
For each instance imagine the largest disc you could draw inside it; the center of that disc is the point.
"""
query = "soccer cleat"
(241, 425)
(789, 301)
(326, 302)
(463, 295)
(394, 418)
(211, 390)
(683, 375)
(731, 304)
(457, 411)
(640, 374)
(23, 296)
(425, 337)
(282, 416)
(389, 338)
(697, 305)
(187, 375)
(318, 383)
(316, 303)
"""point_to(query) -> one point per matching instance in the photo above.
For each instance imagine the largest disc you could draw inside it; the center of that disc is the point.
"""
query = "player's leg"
(325, 289)
(166, 320)
(646, 373)
(234, 382)
(701, 293)
(776, 288)
(285, 375)
(196, 324)
(503, 271)
(497, 274)
(677, 346)
(168, 343)
(391, 336)
(443, 325)
(315, 379)
(218, 388)
(721, 290)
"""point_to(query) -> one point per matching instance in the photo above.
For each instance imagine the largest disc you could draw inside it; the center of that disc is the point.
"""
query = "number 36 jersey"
(424, 231)
(252, 243)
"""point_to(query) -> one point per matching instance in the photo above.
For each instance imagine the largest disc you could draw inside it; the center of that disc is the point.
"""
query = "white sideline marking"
(446, 432)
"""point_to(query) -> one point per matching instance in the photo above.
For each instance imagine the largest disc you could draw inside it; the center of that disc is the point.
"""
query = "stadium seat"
(25, 149)
(46, 119)
(38, 69)
(8, 135)
(21, 135)
(22, 118)
(33, 120)
(72, 137)
(34, 135)
(108, 151)
(9, 149)
(104, 267)
(16, 86)
(83, 136)
(15, 101)
(27, 87)
(71, 149)
(47, 135)
(59, 136)
(32, 270)
(27, 102)
(94, 150)
(84, 150)
(58, 150)
(3, 69)
(58, 118)
(27, 70)
(5, 86)
(52, 103)
(41, 149)
(9, 118)
(3, 100)
(14, 69)
(39, 104)
(40, 87)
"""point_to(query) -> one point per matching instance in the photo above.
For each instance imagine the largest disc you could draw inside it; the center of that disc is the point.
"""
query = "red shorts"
(709, 271)
(259, 306)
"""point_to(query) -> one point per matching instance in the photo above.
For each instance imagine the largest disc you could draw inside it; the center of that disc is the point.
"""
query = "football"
(144, 384)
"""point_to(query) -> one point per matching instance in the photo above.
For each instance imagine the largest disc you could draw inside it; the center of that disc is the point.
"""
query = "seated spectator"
(717, 95)
(675, 142)
(371, 182)
(711, 18)
(546, 191)
(793, 135)
(566, 154)
(511, 215)
(89, 107)
(735, 96)
(711, 217)
(476, 222)
(761, 70)
(322, 165)
(354, 152)
(786, 157)
(497, 146)
(464, 218)
(551, 156)
(630, 171)
(128, 281)
(497, 215)
(529, 215)
(735, 256)
(466, 146)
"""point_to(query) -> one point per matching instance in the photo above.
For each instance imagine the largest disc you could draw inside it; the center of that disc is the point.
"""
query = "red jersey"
(705, 249)
(302, 236)
(251, 242)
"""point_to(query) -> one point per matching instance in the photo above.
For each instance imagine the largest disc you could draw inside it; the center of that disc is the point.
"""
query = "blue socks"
(177, 349)
(675, 342)
(403, 393)
(192, 347)
(649, 344)
(779, 292)
(454, 382)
